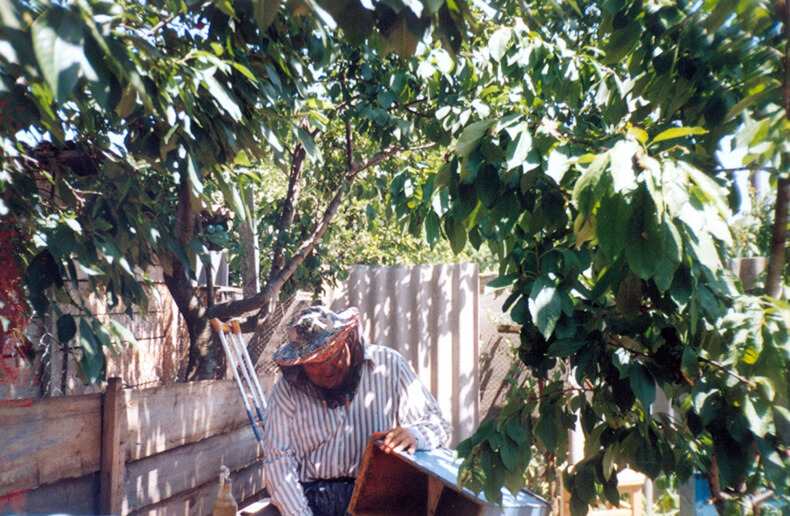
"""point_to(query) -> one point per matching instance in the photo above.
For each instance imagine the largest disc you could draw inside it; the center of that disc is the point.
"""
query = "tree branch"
(276, 282)
(289, 205)
(242, 307)
(356, 168)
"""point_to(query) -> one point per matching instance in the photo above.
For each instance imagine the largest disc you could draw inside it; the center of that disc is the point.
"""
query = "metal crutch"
(220, 329)
(260, 399)
(237, 345)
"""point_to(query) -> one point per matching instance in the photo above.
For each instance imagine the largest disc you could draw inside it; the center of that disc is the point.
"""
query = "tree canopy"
(131, 132)
(587, 144)
(579, 141)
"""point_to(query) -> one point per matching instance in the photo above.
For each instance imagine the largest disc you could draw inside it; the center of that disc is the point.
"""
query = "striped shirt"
(304, 440)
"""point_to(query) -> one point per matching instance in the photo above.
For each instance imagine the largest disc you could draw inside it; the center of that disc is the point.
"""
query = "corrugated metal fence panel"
(429, 314)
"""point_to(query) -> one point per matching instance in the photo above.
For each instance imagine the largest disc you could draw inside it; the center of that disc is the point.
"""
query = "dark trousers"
(329, 497)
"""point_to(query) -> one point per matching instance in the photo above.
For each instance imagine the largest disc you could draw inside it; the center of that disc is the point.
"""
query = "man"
(335, 393)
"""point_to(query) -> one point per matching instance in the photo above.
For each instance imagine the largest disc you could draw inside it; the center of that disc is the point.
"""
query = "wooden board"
(47, 440)
(71, 496)
(248, 486)
(388, 485)
(159, 477)
(162, 418)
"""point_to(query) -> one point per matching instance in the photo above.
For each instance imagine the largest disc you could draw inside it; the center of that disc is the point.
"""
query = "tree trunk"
(776, 263)
(775, 277)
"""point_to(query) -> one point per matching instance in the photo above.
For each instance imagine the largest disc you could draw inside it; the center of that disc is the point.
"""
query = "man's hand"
(396, 440)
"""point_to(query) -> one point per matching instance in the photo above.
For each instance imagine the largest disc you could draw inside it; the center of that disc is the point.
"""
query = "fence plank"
(48, 440)
(430, 315)
(157, 478)
(163, 418)
(70, 496)
(112, 466)
(248, 487)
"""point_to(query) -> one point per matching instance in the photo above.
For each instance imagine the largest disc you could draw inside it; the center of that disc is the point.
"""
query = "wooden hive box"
(426, 484)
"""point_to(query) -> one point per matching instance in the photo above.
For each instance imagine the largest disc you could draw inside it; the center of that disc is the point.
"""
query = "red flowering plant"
(15, 250)
(14, 311)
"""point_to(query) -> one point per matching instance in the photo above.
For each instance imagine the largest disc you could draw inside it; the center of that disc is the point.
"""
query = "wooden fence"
(127, 451)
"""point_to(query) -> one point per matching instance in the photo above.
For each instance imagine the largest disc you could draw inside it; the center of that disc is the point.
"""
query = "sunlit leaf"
(310, 146)
(58, 40)
(545, 306)
(498, 43)
(591, 186)
(223, 96)
(678, 132)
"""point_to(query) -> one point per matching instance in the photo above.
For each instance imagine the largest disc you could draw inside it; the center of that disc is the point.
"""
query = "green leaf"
(629, 296)
(232, 195)
(92, 362)
(545, 306)
(592, 185)
(643, 238)
(671, 256)
(642, 384)
(502, 281)
(723, 10)
(432, 229)
(608, 462)
(123, 333)
(612, 219)
(584, 482)
(194, 177)
(223, 97)
(487, 186)
(565, 347)
(58, 41)
(678, 132)
(265, 12)
(516, 431)
(497, 44)
(559, 162)
(67, 328)
(41, 273)
(495, 477)
(471, 136)
(621, 42)
(127, 103)
(355, 20)
(610, 491)
(757, 98)
(307, 141)
(509, 455)
(519, 148)
(759, 416)
(622, 159)
(689, 363)
(682, 286)
(456, 233)
(514, 481)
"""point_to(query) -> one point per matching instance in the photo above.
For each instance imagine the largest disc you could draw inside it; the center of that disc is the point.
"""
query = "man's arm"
(281, 468)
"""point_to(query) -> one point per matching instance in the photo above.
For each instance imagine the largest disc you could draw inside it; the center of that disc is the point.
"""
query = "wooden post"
(112, 461)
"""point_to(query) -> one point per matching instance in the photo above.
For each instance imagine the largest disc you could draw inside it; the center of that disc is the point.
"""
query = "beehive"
(426, 484)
